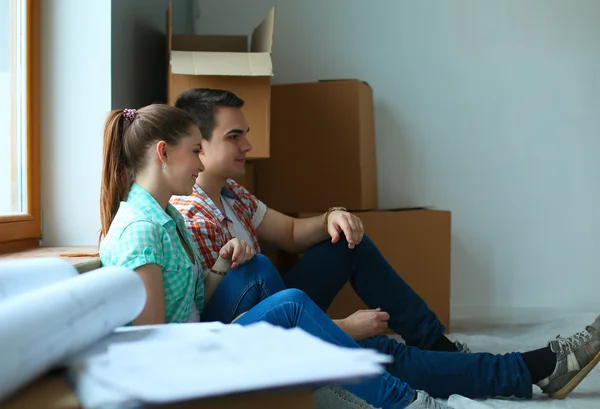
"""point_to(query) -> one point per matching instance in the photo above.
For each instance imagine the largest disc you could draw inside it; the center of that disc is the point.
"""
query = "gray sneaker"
(576, 356)
(424, 401)
(462, 347)
(335, 397)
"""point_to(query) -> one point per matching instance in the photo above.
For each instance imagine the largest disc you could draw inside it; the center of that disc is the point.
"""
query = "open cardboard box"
(228, 62)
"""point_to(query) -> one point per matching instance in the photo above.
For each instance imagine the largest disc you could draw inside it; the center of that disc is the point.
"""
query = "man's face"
(225, 154)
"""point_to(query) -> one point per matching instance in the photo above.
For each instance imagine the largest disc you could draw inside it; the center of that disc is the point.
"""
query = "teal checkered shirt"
(143, 233)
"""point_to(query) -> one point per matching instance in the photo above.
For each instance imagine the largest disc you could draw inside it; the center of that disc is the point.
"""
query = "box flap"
(393, 209)
(396, 209)
(192, 42)
(345, 79)
(262, 36)
(221, 63)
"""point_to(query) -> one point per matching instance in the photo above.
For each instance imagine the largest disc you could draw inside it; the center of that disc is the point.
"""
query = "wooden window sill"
(84, 258)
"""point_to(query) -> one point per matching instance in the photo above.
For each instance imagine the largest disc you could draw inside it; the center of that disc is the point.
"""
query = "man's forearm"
(309, 231)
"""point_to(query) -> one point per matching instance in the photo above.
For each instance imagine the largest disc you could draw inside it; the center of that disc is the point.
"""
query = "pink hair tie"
(129, 114)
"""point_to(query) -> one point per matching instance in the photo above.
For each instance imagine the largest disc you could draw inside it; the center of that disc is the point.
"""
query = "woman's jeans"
(257, 289)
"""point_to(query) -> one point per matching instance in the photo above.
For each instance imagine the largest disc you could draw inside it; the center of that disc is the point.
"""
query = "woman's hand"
(238, 251)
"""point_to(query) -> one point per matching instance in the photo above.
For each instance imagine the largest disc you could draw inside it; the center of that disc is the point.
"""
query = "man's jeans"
(324, 270)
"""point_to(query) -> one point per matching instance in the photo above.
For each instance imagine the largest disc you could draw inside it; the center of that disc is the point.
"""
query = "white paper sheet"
(94, 393)
(504, 329)
(187, 361)
(42, 327)
(20, 276)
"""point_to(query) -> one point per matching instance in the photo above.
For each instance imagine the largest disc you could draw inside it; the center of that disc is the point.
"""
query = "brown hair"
(128, 134)
(202, 103)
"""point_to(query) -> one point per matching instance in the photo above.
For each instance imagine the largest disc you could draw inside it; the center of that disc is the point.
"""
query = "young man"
(336, 250)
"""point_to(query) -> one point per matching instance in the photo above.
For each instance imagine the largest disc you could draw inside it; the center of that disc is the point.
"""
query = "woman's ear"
(161, 151)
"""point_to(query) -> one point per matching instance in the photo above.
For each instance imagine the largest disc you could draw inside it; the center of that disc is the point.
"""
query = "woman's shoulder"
(131, 232)
(130, 218)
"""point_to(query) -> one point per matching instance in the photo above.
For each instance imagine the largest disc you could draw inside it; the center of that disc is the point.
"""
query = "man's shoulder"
(239, 192)
(234, 187)
(193, 207)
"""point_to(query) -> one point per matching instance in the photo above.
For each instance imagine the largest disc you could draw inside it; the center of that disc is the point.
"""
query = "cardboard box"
(322, 148)
(249, 178)
(225, 62)
(417, 244)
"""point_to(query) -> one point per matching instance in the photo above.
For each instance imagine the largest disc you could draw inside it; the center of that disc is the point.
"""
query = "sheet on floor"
(508, 330)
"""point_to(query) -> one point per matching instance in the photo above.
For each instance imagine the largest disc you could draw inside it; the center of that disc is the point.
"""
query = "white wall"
(81, 43)
(488, 109)
(76, 82)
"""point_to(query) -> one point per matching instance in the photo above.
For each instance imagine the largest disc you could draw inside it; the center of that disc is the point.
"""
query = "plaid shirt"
(210, 227)
(143, 233)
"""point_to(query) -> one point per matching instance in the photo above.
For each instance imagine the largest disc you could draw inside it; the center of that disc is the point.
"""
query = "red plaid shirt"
(210, 227)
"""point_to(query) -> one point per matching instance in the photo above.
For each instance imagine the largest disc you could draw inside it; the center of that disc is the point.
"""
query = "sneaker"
(576, 356)
(462, 347)
(335, 397)
(424, 401)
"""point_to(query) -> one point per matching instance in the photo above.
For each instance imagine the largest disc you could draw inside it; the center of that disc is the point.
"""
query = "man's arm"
(291, 234)
(297, 235)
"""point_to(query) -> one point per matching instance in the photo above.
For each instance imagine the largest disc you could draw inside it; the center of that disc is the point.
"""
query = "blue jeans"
(246, 289)
(243, 288)
(324, 270)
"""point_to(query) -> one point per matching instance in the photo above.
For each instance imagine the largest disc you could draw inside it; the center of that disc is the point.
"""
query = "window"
(20, 213)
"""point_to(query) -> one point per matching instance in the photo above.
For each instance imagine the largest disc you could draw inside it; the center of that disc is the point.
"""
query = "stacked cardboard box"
(322, 154)
(322, 149)
(416, 243)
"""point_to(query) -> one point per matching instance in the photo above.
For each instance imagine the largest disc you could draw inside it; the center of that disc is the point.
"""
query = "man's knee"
(341, 249)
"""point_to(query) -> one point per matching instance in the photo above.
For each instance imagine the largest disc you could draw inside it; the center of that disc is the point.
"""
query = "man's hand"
(238, 251)
(365, 324)
(340, 221)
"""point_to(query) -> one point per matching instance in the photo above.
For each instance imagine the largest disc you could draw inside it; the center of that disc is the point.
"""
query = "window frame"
(21, 231)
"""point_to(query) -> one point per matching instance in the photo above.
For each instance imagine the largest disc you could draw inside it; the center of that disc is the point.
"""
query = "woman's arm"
(233, 254)
(211, 282)
(154, 310)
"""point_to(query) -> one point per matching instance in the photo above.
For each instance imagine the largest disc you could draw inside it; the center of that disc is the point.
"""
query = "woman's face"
(184, 163)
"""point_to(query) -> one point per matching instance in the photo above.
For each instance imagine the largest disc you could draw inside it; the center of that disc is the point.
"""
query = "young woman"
(153, 153)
